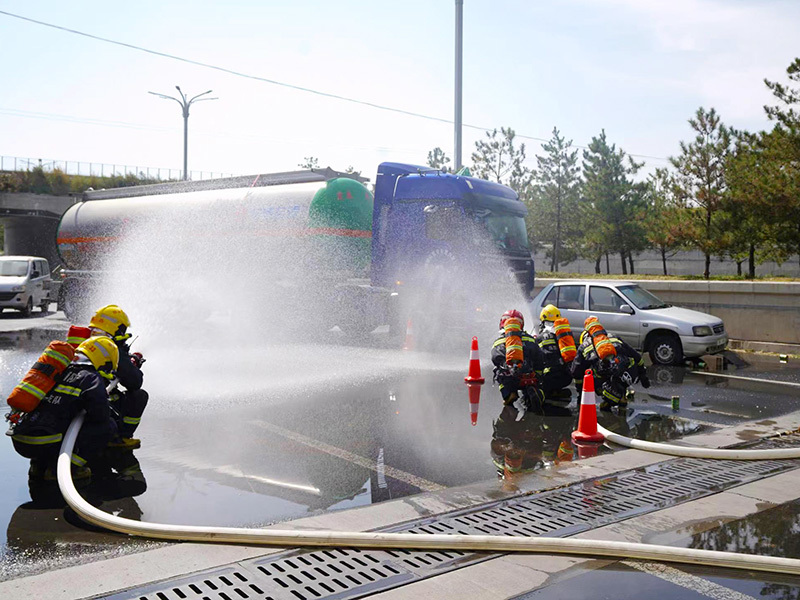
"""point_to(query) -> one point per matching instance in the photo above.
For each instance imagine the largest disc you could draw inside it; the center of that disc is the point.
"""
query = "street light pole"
(185, 103)
(459, 52)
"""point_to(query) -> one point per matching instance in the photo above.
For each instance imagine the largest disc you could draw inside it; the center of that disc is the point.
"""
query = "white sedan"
(668, 333)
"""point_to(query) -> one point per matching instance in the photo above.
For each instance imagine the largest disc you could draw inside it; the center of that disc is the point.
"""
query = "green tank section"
(340, 223)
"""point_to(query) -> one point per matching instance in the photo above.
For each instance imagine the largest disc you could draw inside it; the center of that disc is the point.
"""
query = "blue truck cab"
(423, 217)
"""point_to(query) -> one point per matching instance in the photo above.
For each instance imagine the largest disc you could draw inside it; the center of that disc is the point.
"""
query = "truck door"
(423, 236)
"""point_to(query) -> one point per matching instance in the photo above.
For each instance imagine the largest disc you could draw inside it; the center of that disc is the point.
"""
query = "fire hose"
(481, 543)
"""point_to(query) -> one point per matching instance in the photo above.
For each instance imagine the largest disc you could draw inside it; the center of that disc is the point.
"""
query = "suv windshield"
(641, 298)
(13, 268)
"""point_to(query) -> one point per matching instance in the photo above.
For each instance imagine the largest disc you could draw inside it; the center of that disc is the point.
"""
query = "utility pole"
(185, 103)
(459, 51)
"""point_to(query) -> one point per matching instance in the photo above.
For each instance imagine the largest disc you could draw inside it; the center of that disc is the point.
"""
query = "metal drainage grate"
(350, 573)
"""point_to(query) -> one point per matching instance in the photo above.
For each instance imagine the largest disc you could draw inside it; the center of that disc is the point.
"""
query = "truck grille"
(719, 328)
(5, 296)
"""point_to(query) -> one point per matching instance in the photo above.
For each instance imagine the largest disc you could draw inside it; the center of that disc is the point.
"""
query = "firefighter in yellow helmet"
(128, 404)
(82, 386)
(556, 376)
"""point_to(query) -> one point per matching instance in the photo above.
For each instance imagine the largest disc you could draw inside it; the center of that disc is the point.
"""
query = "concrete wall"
(30, 222)
(753, 311)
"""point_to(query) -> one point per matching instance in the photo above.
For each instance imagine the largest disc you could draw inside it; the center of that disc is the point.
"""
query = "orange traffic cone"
(474, 401)
(587, 418)
(409, 343)
(474, 375)
(587, 449)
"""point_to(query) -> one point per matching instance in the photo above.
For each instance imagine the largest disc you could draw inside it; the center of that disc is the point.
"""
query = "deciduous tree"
(662, 218)
(498, 158)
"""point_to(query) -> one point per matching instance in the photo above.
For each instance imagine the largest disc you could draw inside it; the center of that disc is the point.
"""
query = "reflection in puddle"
(772, 532)
(523, 444)
(44, 532)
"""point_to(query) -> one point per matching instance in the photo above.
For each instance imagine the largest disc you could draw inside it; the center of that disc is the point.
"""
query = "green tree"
(662, 219)
(554, 202)
(498, 158)
(437, 159)
(701, 181)
(309, 162)
(614, 204)
(781, 148)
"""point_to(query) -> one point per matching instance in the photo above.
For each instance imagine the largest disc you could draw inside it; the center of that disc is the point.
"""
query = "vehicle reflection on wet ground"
(772, 532)
(303, 451)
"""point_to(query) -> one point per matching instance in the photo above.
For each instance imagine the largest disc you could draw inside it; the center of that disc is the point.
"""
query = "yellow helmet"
(103, 353)
(113, 320)
(549, 313)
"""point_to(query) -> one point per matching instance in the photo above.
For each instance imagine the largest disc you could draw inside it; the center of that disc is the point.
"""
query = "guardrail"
(72, 167)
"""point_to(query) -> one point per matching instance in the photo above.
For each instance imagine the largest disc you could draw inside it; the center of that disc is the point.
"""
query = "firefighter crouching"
(517, 359)
(127, 405)
(82, 386)
(614, 362)
(555, 340)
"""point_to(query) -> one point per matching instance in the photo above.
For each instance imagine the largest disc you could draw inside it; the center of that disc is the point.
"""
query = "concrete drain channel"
(340, 573)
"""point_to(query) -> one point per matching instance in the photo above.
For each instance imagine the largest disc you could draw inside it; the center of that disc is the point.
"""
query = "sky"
(637, 68)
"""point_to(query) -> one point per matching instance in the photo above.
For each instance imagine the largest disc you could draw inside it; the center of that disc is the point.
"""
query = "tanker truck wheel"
(70, 301)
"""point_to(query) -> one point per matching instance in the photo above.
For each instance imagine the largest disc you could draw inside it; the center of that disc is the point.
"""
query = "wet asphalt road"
(354, 427)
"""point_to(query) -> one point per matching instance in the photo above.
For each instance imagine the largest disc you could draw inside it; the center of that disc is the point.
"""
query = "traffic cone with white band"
(474, 401)
(409, 344)
(474, 375)
(587, 418)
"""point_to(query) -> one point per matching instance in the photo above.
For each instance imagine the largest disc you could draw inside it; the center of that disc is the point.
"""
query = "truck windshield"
(508, 232)
(13, 268)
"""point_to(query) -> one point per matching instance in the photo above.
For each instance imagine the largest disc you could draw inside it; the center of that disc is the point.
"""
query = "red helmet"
(511, 313)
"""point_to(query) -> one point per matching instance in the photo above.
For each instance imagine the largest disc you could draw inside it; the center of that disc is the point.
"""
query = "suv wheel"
(666, 349)
(26, 312)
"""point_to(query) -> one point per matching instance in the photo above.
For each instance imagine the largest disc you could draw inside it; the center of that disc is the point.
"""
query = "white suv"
(668, 333)
(24, 283)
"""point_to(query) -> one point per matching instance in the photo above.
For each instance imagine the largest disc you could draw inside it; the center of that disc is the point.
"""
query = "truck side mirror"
(36, 275)
(626, 309)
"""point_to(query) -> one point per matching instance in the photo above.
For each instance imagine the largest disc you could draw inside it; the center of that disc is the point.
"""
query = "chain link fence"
(71, 167)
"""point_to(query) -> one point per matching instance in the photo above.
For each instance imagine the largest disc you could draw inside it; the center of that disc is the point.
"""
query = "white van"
(24, 283)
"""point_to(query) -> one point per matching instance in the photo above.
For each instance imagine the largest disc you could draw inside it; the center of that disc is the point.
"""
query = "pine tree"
(437, 159)
(782, 148)
(701, 181)
(613, 203)
(309, 162)
(555, 198)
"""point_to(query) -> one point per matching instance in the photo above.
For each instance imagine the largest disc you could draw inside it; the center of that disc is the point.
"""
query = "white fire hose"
(698, 452)
(481, 543)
